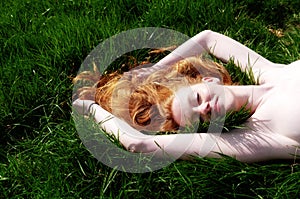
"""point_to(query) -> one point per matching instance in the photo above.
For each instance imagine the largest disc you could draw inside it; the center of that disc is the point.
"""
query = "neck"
(248, 96)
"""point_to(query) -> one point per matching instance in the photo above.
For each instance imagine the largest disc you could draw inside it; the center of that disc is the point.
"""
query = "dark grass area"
(43, 44)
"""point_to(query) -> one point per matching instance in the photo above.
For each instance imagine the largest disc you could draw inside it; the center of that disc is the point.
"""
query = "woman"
(272, 131)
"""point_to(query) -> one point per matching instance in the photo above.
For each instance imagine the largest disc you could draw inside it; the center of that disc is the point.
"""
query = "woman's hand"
(83, 106)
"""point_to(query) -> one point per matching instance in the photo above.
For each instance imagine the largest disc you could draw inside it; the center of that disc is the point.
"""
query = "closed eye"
(198, 99)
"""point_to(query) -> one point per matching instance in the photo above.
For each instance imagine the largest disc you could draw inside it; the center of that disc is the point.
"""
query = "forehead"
(181, 105)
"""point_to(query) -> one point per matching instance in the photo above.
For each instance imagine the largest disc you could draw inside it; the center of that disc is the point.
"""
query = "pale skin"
(272, 131)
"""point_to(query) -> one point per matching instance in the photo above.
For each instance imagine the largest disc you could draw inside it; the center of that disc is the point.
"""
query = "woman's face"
(202, 101)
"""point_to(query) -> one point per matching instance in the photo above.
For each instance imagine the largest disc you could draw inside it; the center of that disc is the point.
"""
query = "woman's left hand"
(82, 106)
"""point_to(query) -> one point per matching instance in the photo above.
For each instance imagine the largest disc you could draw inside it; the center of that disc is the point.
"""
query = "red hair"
(146, 103)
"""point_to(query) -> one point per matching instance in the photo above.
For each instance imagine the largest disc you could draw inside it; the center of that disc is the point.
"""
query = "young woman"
(271, 132)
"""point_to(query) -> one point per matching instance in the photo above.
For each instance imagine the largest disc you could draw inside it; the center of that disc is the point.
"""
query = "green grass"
(43, 44)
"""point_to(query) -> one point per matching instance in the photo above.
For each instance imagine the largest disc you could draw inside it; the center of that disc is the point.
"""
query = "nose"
(204, 108)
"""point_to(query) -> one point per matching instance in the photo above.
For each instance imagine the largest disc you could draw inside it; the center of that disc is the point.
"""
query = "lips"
(205, 118)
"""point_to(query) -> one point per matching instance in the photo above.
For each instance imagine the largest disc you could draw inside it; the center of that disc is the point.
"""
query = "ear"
(211, 80)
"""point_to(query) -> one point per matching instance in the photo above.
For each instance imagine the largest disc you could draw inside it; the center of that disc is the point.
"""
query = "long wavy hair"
(145, 103)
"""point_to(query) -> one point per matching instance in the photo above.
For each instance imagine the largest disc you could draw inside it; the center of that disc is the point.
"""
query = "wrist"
(90, 107)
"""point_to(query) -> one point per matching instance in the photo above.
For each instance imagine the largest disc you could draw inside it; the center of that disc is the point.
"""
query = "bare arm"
(220, 46)
(109, 122)
(225, 48)
(244, 145)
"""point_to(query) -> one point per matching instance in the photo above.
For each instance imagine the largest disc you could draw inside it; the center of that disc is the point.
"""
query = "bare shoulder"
(277, 72)
(279, 111)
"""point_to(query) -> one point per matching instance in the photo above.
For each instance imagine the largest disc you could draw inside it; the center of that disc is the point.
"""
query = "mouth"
(205, 118)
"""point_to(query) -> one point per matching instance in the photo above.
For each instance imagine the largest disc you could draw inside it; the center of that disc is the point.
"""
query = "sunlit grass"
(43, 44)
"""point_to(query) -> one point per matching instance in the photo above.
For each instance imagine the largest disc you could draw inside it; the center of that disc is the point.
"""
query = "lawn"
(43, 44)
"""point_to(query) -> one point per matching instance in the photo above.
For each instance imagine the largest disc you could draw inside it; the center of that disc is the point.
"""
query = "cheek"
(183, 114)
(182, 106)
(176, 110)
